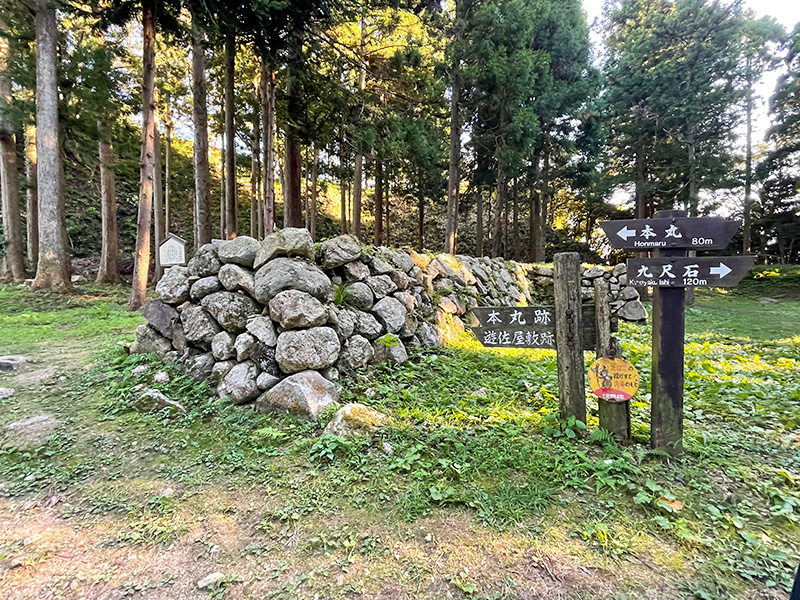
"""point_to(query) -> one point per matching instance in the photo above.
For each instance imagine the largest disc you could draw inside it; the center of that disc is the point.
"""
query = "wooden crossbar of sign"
(527, 327)
(701, 233)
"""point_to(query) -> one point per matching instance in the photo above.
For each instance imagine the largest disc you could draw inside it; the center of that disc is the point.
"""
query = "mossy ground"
(467, 494)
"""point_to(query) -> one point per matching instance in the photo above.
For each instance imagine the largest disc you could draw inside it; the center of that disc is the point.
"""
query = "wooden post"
(666, 404)
(615, 417)
(569, 345)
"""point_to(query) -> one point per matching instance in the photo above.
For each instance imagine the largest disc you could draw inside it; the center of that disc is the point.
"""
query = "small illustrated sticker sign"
(172, 251)
(613, 379)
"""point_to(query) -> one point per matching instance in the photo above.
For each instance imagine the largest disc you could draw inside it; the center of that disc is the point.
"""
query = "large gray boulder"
(391, 313)
(355, 271)
(290, 274)
(160, 316)
(205, 286)
(205, 263)
(367, 325)
(355, 419)
(339, 250)
(199, 366)
(294, 309)
(357, 353)
(222, 346)
(389, 349)
(291, 241)
(149, 340)
(343, 321)
(198, 326)
(632, 311)
(315, 348)
(381, 285)
(234, 278)
(240, 383)
(240, 250)
(359, 295)
(305, 394)
(264, 330)
(173, 287)
(231, 310)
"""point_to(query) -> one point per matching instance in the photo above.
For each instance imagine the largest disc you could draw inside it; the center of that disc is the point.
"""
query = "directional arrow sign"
(710, 233)
(708, 271)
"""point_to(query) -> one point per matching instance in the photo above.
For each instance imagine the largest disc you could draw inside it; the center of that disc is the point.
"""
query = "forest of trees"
(483, 127)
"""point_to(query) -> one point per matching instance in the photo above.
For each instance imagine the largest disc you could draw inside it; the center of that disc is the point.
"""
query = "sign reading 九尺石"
(725, 271)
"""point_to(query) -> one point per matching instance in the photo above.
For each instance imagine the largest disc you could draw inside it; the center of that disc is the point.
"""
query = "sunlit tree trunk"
(314, 192)
(52, 270)
(158, 203)
(9, 181)
(222, 187)
(255, 171)
(453, 176)
(230, 137)
(202, 175)
(148, 158)
(167, 174)
(268, 115)
(108, 271)
(32, 194)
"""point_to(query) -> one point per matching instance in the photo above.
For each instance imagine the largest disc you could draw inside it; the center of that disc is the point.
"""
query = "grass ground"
(468, 494)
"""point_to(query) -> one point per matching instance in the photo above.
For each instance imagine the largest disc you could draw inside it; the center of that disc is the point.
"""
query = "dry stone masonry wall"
(275, 322)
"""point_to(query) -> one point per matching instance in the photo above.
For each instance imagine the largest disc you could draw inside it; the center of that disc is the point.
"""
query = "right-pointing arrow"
(721, 270)
(625, 233)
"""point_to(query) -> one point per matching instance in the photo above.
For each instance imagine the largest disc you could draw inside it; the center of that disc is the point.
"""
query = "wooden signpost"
(670, 234)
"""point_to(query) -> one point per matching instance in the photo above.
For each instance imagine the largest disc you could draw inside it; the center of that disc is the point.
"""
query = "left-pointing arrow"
(625, 233)
(721, 270)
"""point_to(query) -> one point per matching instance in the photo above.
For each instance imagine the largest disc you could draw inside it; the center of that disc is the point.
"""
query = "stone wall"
(276, 321)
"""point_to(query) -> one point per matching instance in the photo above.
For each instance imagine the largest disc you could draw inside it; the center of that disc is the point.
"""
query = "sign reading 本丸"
(708, 271)
(708, 233)
(172, 251)
(613, 379)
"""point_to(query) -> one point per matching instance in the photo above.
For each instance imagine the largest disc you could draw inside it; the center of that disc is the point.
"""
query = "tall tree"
(453, 172)
(9, 179)
(230, 137)
(52, 270)
(147, 172)
(202, 177)
(108, 270)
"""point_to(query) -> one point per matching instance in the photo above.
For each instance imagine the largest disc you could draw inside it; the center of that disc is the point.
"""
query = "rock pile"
(274, 322)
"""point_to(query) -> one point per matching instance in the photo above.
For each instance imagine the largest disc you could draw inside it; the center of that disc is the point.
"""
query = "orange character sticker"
(613, 379)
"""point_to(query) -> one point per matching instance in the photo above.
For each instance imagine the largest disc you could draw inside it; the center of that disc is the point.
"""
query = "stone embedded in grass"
(29, 434)
(290, 274)
(355, 419)
(305, 394)
(161, 377)
(231, 310)
(199, 327)
(315, 348)
(210, 580)
(12, 362)
(152, 400)
(6, 393)
(294, 309)
(140, 371)
(174, 286)
(160, 316)
(339, 251)
(241, 250)
(291, 241)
